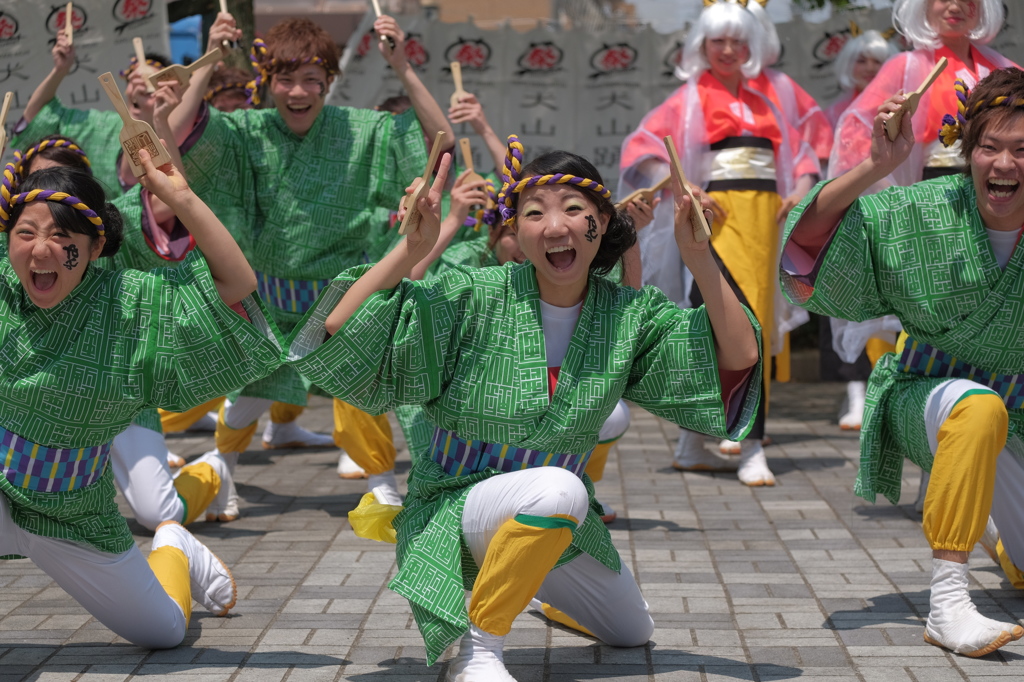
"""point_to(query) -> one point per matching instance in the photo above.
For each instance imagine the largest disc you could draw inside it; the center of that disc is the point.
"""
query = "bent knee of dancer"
(983, 412)
(169, 634)
(638, 635)
(557, 492)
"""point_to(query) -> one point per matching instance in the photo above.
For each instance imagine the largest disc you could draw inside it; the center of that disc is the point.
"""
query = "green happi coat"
(920, 253)
(96, 132)
(469, 346)
(304, 208)
(77, 374)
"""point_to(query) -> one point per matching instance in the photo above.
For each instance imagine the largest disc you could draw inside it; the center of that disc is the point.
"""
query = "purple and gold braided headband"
(261, 66)
(134, 63)
(8, 201)
(22, 158)
(952, 128)
(224, 87)
(512, 184)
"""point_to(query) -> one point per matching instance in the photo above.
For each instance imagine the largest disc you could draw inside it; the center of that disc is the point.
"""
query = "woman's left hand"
(166, 182)
(642, 212)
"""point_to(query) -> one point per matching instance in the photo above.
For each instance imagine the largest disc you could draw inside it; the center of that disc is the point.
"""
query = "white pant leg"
(244, 411)
(119, 590)
(940, 404)
(616, 424)
(543, 491)
(607, 603)
(1008, 505)
(139, 458)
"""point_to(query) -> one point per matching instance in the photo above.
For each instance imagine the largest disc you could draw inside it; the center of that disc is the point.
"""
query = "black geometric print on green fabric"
(96, 132)
(920, 253)
(308, 205)
(468, 346)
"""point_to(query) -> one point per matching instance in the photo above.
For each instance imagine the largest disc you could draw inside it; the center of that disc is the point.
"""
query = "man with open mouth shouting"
(942, 256)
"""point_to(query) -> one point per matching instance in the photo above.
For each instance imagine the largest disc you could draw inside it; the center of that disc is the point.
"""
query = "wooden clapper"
(134, 134)
(701, 230)
(645, 195)
(382, 38)
(69, 23)
(457, 77)
(180, 73)
(892, 126)
(140, 60)
(473, 178)
(411, 221)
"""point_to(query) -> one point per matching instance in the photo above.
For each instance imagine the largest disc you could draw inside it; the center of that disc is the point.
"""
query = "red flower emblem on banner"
(55, 22)
(828, 48)
(132, 10)
(8, 26)
(363, 48)
(540, 58)
(415, 50)
(616, 58)
(471, 54)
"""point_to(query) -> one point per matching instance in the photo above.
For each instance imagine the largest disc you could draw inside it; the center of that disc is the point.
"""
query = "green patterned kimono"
(920, 253)
(303, 208)
(96, 132)
(76, 375)
(469, 346)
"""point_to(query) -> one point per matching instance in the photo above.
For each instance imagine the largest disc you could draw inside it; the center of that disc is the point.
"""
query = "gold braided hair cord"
(953, 126)
(512, 184)
(134, 64)
(261, 66)
(6, 206)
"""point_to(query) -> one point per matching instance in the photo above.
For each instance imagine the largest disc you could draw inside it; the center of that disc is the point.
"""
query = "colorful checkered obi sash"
(291, 295)
(927, 361)
(41, 469)
(461, 457)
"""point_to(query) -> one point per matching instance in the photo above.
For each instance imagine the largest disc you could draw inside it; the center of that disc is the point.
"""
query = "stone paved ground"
(801, 581)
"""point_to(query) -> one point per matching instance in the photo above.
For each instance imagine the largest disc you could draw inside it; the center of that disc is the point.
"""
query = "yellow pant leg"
(783, 361)
(598, 460)
(170, 566)
(554, 614)
(963, 474)
(367, 439)
(876, 348)
(179, 421)
(232, 440)
(519, 557)
(197, 486)
(1013, 574)
(284, 413)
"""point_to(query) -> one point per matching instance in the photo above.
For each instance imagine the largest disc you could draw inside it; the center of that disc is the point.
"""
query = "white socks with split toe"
(348, 469)
(851, 419)
(291, 435)
(212, 584)
(691, 455)
(754, 469)
(385, 488)
(480, 659)
(953, 621)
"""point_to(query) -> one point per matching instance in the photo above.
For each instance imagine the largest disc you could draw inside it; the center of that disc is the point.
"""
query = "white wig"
(869, 44)
(771, 48)
(911, 19)
(722, 19)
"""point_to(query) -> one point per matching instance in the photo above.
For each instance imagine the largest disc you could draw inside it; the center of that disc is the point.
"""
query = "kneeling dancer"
(84, 351)
(518, 367)
(942, 256)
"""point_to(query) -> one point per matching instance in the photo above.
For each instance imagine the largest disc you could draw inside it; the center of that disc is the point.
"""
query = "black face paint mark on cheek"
(72, 260)
(591, 234)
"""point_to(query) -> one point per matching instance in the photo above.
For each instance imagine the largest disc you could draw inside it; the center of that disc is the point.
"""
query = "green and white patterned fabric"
(304, 208)
(920, 253)
(96, 132)
(469, 347)
(77, 374)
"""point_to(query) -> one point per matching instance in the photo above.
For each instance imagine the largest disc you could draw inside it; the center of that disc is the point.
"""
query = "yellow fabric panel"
(179, 421)
(366, 439)
(876, 348)
(901, 341)
(598, 460)
(283, 413)
(559, 617)
(232, 440)
(197, 484)
(783, 367)
(170, 566)
(518, 559)
(959, 497)
(1013, 574)
(372, 520)
(748, 244)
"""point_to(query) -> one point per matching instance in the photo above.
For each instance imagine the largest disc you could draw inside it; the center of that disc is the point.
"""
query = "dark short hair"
(620, 235)
(78, 184)
(293, 42)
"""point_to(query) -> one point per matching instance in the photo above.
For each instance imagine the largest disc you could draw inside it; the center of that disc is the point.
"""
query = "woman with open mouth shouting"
(84, 350)
(943, 257)
(518, 367)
